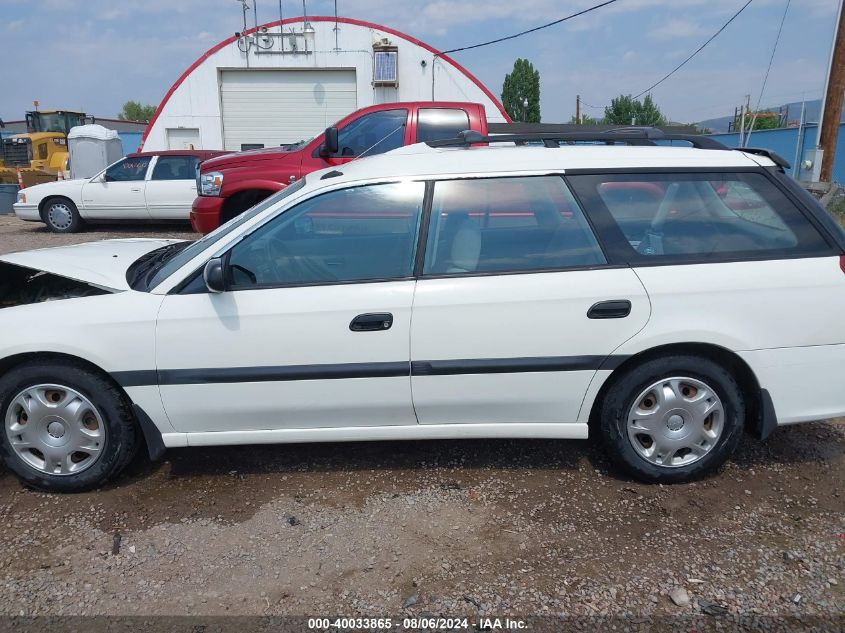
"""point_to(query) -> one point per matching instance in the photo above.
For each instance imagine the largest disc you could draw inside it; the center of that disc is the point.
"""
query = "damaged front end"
(23, 286)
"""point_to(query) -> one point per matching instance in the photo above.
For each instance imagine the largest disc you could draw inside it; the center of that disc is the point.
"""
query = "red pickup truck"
(231, 184)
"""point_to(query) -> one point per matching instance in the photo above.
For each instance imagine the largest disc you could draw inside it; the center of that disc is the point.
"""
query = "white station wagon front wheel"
(65, 428)
(672, 419)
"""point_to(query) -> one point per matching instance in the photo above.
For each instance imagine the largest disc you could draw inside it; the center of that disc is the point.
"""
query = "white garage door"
(271, 107)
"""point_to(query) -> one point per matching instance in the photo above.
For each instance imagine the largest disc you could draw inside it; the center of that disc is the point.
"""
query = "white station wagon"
(662, 298)
(146, 186)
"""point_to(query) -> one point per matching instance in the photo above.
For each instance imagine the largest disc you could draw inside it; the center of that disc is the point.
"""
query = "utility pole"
(578, 109)
(832, 109)
(796, 164)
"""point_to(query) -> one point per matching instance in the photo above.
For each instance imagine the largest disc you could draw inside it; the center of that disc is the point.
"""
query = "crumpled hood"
(103, 264)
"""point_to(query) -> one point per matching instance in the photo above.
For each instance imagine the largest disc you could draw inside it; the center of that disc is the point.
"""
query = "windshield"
(180, 258)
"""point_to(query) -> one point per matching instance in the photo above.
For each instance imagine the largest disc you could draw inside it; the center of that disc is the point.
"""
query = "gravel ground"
(455, 528)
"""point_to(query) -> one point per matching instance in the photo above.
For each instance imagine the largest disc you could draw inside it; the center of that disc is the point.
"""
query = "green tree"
(586, 119)
(765, 121)
(523, 83)
(135, 111)
(625, 110)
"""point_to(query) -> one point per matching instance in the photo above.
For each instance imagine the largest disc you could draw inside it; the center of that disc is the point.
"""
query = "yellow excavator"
(41, 153)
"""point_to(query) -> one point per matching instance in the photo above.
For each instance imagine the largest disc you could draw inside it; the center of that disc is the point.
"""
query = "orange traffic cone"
(61, 175)
(20, 178)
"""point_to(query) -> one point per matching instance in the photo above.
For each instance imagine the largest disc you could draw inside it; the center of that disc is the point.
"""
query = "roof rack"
(628, 136)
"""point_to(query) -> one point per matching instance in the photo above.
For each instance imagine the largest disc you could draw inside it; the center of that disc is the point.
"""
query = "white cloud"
(678, 28)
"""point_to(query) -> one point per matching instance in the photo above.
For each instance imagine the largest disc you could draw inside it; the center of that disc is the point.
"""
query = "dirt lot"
(453, 528)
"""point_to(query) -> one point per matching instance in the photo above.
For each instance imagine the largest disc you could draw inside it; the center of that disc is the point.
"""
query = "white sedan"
(144, 186)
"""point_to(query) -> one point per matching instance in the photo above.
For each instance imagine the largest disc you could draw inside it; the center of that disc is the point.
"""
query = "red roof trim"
(320, 18)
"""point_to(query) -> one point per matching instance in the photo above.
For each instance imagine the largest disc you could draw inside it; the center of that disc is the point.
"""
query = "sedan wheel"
(55, 429)
(62, 216)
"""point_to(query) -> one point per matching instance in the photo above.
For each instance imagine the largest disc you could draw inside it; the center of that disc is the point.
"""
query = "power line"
(700, 48)
(584, 103)
(536, 28)
(768, 70)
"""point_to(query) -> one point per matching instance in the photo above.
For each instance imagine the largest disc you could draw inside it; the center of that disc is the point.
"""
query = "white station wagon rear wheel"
(672, 419)
(66, 428)
(675, 422)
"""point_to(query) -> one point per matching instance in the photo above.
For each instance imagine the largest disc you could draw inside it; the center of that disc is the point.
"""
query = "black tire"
(61, 216)
(241, 202)
(121, 431)
(620, 399)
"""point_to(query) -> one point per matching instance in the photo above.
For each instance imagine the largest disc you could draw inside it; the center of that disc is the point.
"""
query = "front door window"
(373, 133)
(351, 235)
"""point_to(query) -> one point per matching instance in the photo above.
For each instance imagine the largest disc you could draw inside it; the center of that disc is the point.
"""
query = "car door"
(118, 193)
(172, 187)
(314, 328)
(516, 308)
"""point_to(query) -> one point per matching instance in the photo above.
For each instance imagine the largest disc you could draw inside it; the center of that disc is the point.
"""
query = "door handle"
(372, 322)
(617, 309)
(135, 190)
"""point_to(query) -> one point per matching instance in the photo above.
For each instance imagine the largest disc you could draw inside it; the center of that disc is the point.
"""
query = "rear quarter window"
(697, 217)
(435, 124)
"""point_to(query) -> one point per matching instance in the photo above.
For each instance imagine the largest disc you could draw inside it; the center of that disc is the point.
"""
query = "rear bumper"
(205, 213)
(28, 212)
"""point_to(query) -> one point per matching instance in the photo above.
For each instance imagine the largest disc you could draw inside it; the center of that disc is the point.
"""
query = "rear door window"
(434, 124)
(501, 225)
(696, 216)
(175, 168)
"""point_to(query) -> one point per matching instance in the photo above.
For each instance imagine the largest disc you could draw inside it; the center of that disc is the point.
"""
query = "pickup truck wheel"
(672, 419)
(240, 202)
(61, 216)
(65, 428)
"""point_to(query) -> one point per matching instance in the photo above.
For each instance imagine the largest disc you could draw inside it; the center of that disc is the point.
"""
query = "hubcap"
(675, 422)
(55, 429)
(60, 215)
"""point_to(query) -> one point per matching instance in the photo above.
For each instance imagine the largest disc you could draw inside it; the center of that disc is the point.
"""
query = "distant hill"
(811, 115)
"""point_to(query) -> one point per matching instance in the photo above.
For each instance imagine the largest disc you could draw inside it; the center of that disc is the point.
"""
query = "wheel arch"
(152, 435)
(241, 200)
(760, 413)
(42, 206)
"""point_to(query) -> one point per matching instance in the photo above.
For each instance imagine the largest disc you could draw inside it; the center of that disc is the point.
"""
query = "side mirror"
(213, 276)
(330, 144)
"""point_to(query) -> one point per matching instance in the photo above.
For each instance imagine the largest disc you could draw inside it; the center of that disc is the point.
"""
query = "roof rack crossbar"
(628, 136)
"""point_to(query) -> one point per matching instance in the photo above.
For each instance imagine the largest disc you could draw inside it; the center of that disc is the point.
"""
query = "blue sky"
(96, 54)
